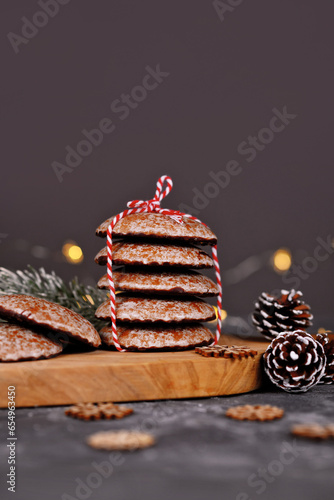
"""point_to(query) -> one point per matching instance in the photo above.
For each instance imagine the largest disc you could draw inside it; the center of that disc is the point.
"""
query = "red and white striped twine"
(140, 206)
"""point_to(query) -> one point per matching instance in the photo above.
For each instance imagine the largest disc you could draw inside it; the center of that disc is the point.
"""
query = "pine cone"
(274, 315)
(295, 361)
(328, 345)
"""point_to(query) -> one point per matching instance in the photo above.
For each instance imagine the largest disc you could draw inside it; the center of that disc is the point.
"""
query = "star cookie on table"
(224, 351)
(255, 412)
(91, 411)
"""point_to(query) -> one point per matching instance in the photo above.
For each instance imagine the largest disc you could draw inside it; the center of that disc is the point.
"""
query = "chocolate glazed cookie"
(156, 254)
(139, 309)
(143, 338)
(40, 313)
(157, 225)
(18, 343)
(161, 282)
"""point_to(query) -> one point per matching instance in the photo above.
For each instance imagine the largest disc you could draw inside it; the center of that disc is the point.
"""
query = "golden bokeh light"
(282, 260)
(223, 314)
(72, 252)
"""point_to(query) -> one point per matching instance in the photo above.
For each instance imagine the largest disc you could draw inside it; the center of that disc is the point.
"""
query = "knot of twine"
(153, 205)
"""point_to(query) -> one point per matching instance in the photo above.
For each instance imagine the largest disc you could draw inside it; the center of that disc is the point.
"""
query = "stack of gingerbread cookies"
(160, 301)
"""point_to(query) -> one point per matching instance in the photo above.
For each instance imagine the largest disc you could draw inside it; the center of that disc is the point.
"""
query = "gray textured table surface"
(199, 454)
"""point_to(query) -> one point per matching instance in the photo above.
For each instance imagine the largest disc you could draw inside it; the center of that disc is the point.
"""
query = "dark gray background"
(225, 79)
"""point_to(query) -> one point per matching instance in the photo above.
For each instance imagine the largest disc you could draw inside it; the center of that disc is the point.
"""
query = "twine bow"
(153, 205)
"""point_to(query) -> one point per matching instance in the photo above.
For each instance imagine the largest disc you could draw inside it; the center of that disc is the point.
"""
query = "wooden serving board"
(131, 376)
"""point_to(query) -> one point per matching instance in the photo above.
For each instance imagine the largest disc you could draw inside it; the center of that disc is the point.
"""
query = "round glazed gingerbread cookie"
(157, 225)
(145, 309)
(18, 344)
(161, 282)
(143, 338)
(156, 254)
(32, 311)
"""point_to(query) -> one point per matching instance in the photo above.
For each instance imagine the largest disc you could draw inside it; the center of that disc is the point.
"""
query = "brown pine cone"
(295, 361)
(328, 345)
(274, 315)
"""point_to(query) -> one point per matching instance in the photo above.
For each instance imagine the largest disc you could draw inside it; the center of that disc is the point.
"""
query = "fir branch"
(80, 298)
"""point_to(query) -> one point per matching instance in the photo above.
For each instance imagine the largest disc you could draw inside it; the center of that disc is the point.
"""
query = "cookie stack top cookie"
(159, 304)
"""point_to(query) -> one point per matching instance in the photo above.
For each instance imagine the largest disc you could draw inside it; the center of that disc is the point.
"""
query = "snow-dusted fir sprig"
(83, 299)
